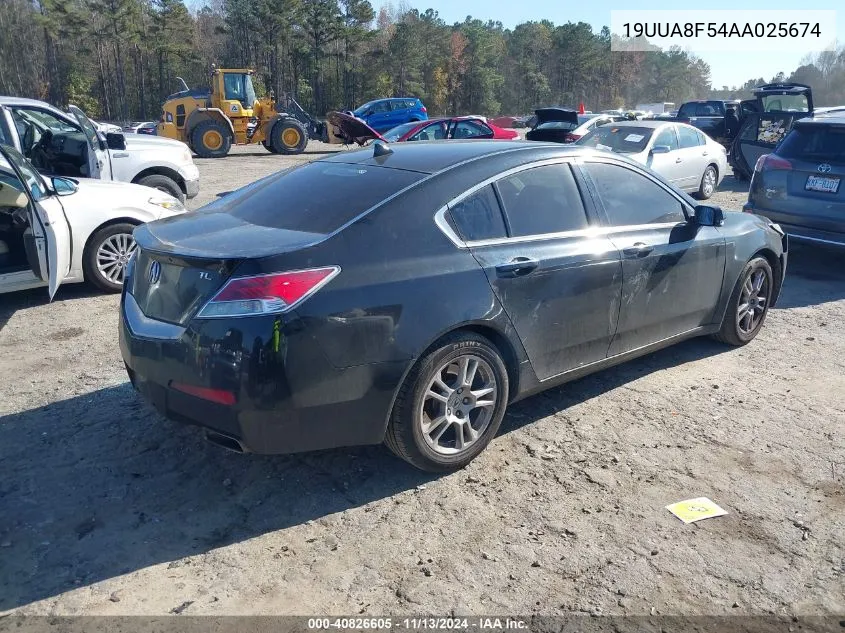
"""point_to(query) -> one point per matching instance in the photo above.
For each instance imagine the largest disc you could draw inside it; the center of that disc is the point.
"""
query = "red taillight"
(267, 294)
(571, 138)
(422, 109)
(220, 396)
(770, 161)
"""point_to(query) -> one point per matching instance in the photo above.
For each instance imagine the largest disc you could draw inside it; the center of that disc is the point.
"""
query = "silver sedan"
(681, 153)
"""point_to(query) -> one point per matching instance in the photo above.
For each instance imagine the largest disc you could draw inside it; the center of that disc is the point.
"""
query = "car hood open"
(352, 129)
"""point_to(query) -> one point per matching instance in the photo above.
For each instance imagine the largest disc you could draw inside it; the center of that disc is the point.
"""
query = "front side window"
(667, 137)
(479, 217)
(687, 137)
(434, 132)
(630, 198)
(471, 129)
(542, 200)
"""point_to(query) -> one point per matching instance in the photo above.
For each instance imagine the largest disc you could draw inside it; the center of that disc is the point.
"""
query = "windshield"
(822, 143)
(394, 134)
(785, 103)
(238, 87)
(34, 181)
(625, 139)
(583, 118)
(363, 108)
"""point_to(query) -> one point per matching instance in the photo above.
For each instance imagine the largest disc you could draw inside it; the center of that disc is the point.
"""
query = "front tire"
(163, 183)
(451, 404)
(708, 183)
(106, 254)
(211, 139)
(288, 136)
(749, 303)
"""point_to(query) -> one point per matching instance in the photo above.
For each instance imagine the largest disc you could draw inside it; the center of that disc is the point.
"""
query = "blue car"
(384, 114)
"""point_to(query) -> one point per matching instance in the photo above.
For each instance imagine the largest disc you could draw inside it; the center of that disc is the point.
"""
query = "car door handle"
(638, 249)
(517, 267)
(678, 160)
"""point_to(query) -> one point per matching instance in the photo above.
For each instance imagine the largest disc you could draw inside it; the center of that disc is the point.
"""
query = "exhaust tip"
(225, 441)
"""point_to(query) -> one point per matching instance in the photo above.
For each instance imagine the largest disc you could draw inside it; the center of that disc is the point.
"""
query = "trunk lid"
(544, 115)
(181, 265)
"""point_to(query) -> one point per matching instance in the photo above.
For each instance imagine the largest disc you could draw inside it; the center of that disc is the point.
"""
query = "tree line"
(118, 59)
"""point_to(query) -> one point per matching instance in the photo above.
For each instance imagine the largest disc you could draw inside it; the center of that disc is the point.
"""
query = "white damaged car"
(60, 230)
(68, 144)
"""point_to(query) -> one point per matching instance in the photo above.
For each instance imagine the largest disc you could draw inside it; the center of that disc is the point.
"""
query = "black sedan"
(408, 294)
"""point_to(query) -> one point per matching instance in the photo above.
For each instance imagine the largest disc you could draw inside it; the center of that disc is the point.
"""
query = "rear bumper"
(288, 397)
(799, 233)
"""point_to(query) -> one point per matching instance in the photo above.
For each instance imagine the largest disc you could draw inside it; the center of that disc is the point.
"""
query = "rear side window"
(542, 200)
(815, 143)
(630, 198)
(288, 200)
(479, 217)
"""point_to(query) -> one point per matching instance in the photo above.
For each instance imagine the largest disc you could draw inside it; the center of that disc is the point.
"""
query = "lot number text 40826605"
(418, 623)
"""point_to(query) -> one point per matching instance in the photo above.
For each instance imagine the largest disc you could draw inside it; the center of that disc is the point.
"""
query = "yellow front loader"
(211, 120)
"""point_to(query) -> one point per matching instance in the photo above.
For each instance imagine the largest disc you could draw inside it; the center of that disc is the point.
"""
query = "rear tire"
(211, 139)
(433, 391)
(163, 183)
(707, 187)
(288, 136)
(749, 303)
(105, 256)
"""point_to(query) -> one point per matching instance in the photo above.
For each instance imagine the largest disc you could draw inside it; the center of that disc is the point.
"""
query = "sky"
(726, 68)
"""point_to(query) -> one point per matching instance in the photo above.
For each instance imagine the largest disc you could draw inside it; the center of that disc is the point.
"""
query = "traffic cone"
(581, 108)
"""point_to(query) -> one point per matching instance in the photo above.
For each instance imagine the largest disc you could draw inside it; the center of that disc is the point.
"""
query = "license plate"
(822, 183)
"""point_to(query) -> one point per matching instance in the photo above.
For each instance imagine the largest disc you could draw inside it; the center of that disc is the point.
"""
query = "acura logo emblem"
(154, 273)
(824, 168)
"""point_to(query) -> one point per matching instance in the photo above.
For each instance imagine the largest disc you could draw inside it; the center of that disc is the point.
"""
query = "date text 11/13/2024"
(418, 623)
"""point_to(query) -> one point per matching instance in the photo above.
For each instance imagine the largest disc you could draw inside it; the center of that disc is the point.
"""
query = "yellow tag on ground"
(693, 510)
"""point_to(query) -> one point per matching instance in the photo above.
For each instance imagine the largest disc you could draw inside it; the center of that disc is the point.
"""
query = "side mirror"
(10, 197)
(115, 140)
(660, 149)
(64, 186)
(706, 215)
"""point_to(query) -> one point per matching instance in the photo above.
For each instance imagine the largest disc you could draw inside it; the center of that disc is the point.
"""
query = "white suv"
(68, 144)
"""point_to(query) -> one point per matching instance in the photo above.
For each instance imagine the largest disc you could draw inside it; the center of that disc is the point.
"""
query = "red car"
(447, 128)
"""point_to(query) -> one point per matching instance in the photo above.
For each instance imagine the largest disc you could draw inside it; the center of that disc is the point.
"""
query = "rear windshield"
(815, 143)
(785, 103)
(557, 125)
(618, 138)
(319, 197)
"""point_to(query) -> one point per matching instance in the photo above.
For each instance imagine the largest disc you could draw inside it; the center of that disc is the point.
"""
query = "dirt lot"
(105, 508)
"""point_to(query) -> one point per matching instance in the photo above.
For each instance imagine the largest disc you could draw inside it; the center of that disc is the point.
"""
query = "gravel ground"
(105, 508)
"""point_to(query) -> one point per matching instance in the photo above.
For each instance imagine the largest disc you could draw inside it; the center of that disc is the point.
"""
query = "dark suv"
(799, 185)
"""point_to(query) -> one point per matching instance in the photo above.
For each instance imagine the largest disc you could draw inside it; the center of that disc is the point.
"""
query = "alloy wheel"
(753, 301)
(709, 181)
(458, 404)
(113, 254)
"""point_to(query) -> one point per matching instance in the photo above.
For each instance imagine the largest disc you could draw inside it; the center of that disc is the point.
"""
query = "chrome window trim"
(592, 231)
(445, 227)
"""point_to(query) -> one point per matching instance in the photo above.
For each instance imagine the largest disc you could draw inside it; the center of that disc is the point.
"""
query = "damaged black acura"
(409, 294)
